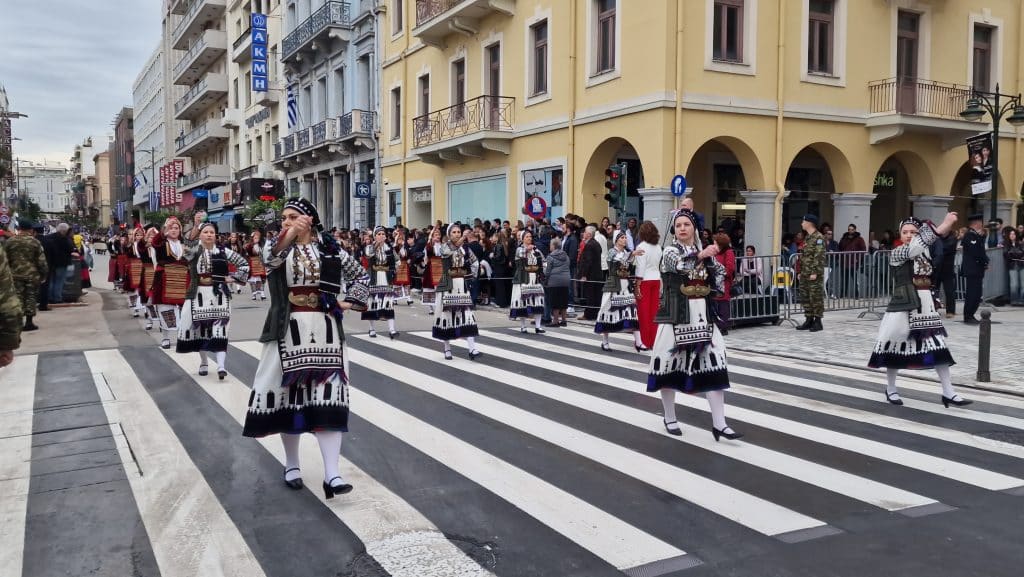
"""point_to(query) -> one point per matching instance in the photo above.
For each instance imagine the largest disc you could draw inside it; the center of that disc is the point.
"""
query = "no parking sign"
(535, 207)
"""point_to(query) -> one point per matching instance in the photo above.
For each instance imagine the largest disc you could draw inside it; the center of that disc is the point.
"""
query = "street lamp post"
(151, 151)
(996, 105)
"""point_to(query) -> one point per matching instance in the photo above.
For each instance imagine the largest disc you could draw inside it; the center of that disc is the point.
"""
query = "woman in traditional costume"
(206, 312)
(148, 260)
(454, 305)
(911, 335)
(301, 383)
(432, 269)
(527, 290)
(380, 261)
(403, 274)
(618, 311)
(171, 282)
(253, 251)
(689, 351)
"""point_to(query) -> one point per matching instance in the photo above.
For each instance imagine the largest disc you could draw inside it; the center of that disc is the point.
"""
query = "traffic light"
(615, 186)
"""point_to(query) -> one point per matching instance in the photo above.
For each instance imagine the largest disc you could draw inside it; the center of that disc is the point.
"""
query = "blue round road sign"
(678, 185)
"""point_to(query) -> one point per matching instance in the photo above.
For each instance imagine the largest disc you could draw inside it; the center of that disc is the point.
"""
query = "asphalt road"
(545, 457)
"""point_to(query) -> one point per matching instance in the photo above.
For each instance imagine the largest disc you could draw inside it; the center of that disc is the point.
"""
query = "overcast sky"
(69, 65)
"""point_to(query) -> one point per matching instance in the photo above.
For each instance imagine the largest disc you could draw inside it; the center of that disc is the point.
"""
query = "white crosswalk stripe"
(174, 498)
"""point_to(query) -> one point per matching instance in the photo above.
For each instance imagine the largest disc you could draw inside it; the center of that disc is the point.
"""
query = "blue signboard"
(362, 190)
(259, 53)
(199, 193)
(679, 185)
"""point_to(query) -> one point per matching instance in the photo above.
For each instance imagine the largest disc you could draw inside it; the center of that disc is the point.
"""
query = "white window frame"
(392, 139)
(839, 24)
(528, 98)
(556, 163)
(750, 24)
(485, 66)
(595, 78)
(986, 19)
(924, 36)
(398, 7)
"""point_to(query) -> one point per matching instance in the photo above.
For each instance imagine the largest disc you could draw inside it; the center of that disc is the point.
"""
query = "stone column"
(657, 204)
(337, 189)
(306, 188)
(853, 208)
(321, 200)
(1004, 209)
(933, 208)
(759, 221)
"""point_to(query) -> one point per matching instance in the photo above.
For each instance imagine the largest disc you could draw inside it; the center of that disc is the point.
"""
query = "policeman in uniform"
(28, 267)
(10, 312)
(812, 275)
(973, 266)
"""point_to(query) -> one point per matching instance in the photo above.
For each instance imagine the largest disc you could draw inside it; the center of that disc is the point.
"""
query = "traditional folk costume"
(527, 290)
(301, 384)
(118, 266)
(170, 282)
(381, 306)
(431, 275)
(689, 353)
(206, 313)
(911, 335)
(618, 311)
(403, 273)
(454, 304)
(257, 272)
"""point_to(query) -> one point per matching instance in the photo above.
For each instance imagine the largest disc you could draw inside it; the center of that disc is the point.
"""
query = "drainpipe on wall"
(780, 97)
(571, 168)
(409, 24)
(383, 201)
(678, 136)
(1018, 163)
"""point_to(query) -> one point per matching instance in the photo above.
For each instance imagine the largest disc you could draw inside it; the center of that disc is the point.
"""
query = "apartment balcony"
(271, 96)
(200, 15)
(241, 50)
(179, 6)
(204, 138)
(205, 177)
(914, 105)
(436, 19)
(466, 130)
(231, 118)
(201, 96)
(212, 45)
(332, 21)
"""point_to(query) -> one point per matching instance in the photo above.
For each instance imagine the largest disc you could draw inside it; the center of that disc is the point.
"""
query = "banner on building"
(169, 172)
(980, 156)
(260, 73)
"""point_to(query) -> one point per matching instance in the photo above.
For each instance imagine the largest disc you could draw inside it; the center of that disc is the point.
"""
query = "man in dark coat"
(58, 248)
(944, 272)
(589, 269)
(973, 267)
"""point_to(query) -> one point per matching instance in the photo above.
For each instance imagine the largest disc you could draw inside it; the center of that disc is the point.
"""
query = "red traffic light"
(611, 173)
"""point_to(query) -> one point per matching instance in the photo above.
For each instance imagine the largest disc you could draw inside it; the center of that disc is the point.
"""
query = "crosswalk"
(543, 457)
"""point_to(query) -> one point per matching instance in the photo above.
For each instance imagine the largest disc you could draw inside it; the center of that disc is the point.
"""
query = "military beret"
(976, 216)
(25, 224)
(811, 218)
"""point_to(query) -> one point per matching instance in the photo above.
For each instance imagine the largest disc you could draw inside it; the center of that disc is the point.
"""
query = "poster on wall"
(546, 184)
(980, 157)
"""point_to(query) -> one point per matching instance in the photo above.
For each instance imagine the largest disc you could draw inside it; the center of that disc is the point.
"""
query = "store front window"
(482, 198)
(547, 184)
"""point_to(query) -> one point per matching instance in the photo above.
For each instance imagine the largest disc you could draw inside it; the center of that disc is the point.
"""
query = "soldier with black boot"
(812, 275)
(28, 268)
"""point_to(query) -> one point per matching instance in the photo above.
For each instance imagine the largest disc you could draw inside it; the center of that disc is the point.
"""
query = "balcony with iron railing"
(201, 96)
(207, 175)
(436, 19)
(241, 49)
(210, 46)
(200, 15)
(465, 130)
(901, 105)
(200, 139)
(356, 124)
(332, 20)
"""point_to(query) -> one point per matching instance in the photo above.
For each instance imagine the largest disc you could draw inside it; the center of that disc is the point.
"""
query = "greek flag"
(293, 107)
(136, 182)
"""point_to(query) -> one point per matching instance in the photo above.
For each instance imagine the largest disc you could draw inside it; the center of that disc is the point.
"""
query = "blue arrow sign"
(678, 185)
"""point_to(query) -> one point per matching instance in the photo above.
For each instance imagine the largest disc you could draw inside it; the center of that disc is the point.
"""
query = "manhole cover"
(1015, 437)
(424, 554)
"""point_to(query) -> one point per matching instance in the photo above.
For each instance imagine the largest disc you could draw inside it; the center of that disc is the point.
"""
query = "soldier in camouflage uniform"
(10, 312)
(28, 267)
(812, 275)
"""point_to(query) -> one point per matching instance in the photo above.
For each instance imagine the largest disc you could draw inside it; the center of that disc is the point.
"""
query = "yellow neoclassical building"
(770, 108)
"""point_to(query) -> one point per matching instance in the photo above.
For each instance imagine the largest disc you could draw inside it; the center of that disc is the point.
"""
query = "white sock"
(636, 339)
(330, 450)
(716, 399)
(166, 334)
(202, 358)
(605, 337)
(890, 381)
(291, 455)
(221, 358)
(947, 381)
(471, 341)
(522, 323)
(373, 326)
(668, 403)
(536, 322)
(391, 326)
(447, 346)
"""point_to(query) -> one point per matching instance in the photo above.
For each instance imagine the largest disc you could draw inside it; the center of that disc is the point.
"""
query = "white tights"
(716, 399)
(220, 356)
(945, 378)
(536, 322)
(471, 341)
(330, 450)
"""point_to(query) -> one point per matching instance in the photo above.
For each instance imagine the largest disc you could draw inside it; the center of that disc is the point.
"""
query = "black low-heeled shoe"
(203, 370)
(539, 331)
(676, 431)
(606, 347)
(894, 398)
(641, 348)
(294, 484)
(393, 335)
(947, 401)
(221, 374)
(447, 355)
(723, 433)
(474, 354)
(331, 490)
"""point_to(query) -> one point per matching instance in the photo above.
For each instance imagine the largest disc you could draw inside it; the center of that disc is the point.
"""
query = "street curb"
(990, 389)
